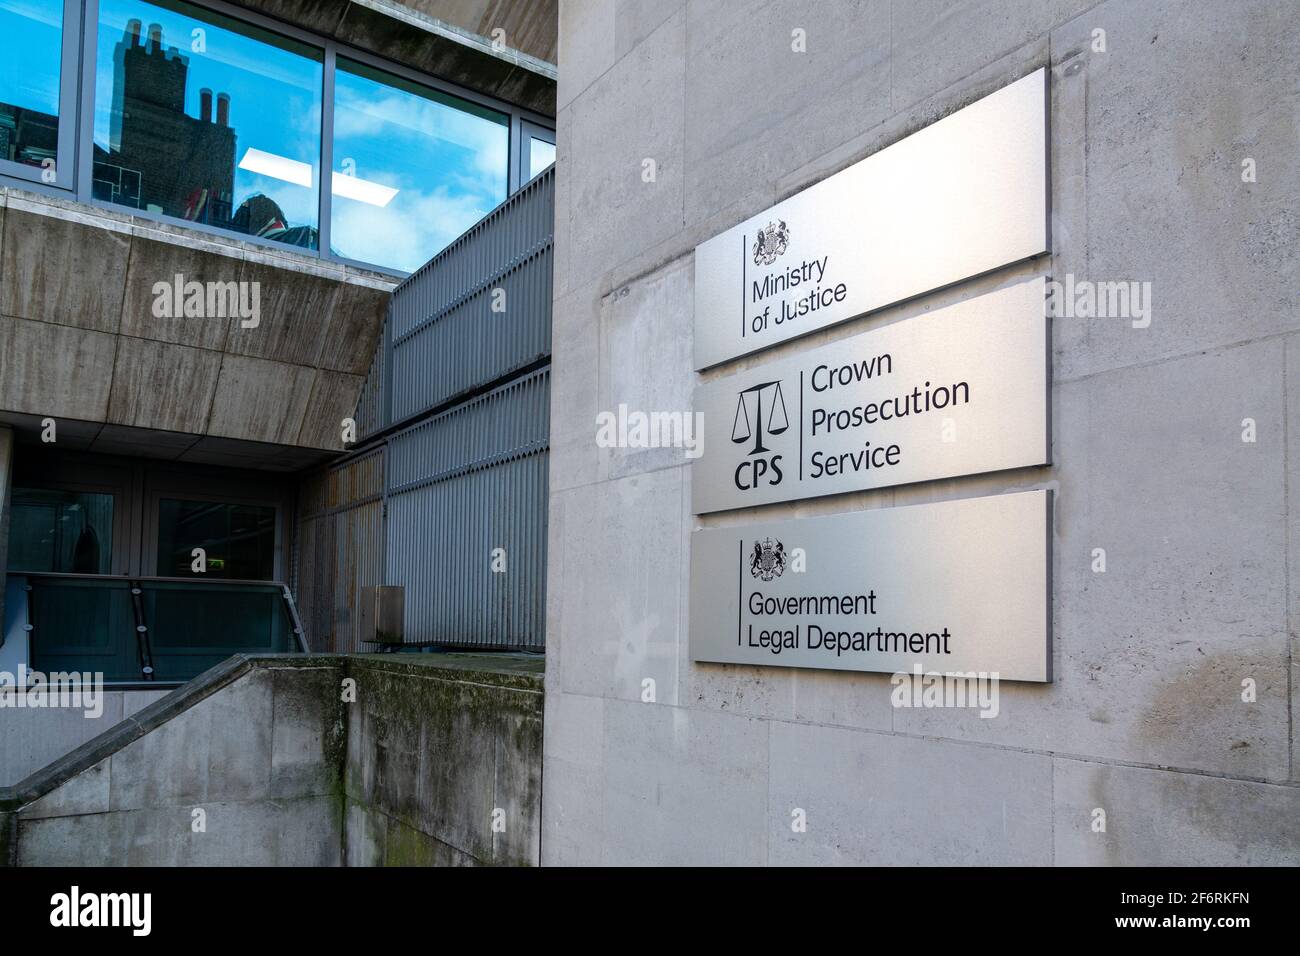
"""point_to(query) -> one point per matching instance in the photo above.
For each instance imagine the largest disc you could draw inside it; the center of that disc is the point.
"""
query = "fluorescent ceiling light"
(277, 167)
(362, 190)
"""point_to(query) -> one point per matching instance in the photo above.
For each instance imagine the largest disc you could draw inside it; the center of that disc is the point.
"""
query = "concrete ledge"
(416, 768)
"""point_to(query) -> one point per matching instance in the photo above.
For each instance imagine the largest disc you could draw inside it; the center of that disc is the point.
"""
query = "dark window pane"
(413, 167)
(239, 540)
(540, 155)
(67, 532)
(204, 118)
(29, 80)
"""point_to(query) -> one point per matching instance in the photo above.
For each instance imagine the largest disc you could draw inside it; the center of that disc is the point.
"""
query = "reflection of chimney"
(133, 31)
(205, 105)
(223, 109)
(155, 37)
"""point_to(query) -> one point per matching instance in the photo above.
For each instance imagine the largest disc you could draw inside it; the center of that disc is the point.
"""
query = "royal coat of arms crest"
(770, 243)
(768, 560)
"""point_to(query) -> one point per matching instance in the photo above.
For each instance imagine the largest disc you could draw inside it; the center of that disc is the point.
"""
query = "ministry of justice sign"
(954, 586)
(958, 198)
(958, 391)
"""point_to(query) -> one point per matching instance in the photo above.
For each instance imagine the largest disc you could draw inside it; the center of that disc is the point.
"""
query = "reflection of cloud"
(406, 234)
(225, 49)
(45, 13)
(368, 113)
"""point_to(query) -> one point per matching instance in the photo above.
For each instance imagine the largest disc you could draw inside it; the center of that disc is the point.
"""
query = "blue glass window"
(29, 81)
(413, 167)
(540, 155)
(208, 119)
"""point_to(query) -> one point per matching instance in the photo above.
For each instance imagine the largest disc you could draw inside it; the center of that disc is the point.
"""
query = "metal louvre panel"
(425, 508)
(340, 549)
(461, 484)
(445, 338)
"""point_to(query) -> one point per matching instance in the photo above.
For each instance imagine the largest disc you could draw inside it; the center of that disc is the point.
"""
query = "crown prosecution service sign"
(957, 391)
(950, 586)
(963, 196)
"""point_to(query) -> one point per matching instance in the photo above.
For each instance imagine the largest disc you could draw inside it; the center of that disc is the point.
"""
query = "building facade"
(1166, 733)
(188, 317)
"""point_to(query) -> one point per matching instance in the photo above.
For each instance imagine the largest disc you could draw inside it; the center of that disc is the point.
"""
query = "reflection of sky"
(540, 155)
(274, 95)
(29, 66)
(449, 167)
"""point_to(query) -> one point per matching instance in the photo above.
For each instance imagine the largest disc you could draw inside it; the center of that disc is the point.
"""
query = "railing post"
(141, 632)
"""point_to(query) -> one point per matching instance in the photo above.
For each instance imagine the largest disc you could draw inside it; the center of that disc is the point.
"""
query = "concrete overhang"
(81, 337)
(449, 39)
(127, 442)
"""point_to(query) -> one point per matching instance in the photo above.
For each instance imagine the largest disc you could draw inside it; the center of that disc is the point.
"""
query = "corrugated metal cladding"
(340, 549)
(427, 506)
(466, 519)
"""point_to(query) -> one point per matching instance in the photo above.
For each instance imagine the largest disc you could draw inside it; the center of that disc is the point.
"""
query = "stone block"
(30, 739)
(162, 386)
(258, 400)
(586, 47)
(333, 398)
(634, 20)
(295, 302)
(646, 337)
(938, 43)
(62, 268)
(307, 731)
(153, 274)
(55, 370)
(683, 787)
(354, 327)
(759, 109)
(574, 771)
(873, 799)
(1163, 818)
(1166, 203)
(623, 556)
(631, 115)
(575, 390)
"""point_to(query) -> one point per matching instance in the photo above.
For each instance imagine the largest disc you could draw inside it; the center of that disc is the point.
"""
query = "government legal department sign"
(953, 586)
(957, 391)
(956, 586)
(961, 197)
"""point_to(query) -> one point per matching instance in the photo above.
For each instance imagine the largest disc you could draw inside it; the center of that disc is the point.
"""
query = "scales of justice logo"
(759, 465)
(777, 422)
(771, 242)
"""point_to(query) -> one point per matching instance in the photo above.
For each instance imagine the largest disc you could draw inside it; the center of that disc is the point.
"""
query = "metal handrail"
(136, 584)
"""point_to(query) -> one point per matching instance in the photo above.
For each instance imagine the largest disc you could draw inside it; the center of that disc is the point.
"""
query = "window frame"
(65, 154)
(74, 174)
(214, 491)
(528, 131)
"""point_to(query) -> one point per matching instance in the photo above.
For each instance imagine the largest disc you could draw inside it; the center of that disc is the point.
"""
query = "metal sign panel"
(955, 586)
(958, 198)
(957, 391)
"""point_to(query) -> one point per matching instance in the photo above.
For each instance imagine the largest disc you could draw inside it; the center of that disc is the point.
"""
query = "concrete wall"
(31, 739)
(444, 761)
(320, 761)
(256, 749)
(78, 339)
(1145, 719)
